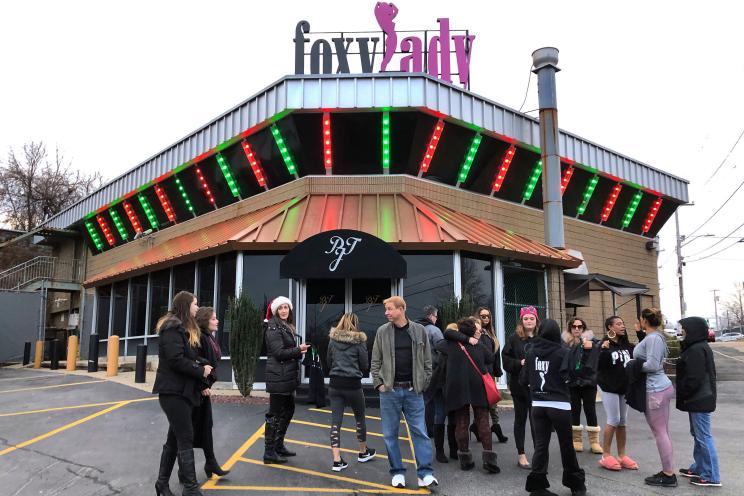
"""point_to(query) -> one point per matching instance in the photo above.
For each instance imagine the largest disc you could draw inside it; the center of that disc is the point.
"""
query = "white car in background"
(730, 336)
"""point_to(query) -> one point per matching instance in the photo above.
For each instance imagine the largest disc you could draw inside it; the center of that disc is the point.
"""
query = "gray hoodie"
(347, 359)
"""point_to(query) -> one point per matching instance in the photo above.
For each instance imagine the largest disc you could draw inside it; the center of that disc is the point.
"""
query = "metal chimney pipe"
(545, 63)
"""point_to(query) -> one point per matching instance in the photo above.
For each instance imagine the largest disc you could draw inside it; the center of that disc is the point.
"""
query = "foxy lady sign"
(431, 53)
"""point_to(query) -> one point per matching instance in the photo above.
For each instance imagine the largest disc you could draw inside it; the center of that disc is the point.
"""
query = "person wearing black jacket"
(546, 374)
(491, 342)
(179, 383)
(696, 394)
(615, 353)
(464, 389)
(282, 378)
(513, 361)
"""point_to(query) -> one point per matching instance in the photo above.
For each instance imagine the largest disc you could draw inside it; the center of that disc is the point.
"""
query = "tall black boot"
(188, 471)
(451, 441)
(270, 438)
(439, 443)
(211, 466)
(284, 420)
(167, 460)
(496, 429)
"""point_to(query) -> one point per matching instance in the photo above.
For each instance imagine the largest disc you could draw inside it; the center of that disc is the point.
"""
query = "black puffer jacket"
(178, 369)
(462, 384)
(347, 358)
(513, 353)
(283, 363)
(696, 369)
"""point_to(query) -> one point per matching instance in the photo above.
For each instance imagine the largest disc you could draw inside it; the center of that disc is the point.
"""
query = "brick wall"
(20, 251)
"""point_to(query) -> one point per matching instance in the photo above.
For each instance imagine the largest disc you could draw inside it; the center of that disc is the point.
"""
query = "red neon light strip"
(611, 200)
(505, 163)
(205, 186)
(327, 152)
(132, 217)
(651, 215)
(165, 203)
(567, 175)
(255, 165)
(431, 147)
(106, 231)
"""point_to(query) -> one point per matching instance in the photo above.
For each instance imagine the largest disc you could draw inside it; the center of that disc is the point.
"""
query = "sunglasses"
(579, 326)
(485, 316)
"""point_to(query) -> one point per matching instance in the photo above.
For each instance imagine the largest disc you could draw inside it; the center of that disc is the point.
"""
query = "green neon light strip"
(119, 224)
(225, 168)
(588, 192)
(184, 196)
(94, 236)
(631, 210)
(288, 161)
(534, 177)
(148, 211)
(469, 158)
(385, 142)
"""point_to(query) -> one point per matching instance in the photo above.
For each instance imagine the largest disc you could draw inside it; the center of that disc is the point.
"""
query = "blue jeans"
(704, 453)
(410, 404)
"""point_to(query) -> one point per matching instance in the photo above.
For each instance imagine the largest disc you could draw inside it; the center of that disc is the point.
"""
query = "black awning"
(578, 287)
(342, 254)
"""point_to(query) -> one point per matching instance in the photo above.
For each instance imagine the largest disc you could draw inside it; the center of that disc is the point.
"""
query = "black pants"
(282, 406)
(340, 399)
(588, 396)
(545, 421)
(180, 430)
(521, 414)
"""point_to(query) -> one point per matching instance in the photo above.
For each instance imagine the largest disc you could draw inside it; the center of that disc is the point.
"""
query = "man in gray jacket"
(401, 371)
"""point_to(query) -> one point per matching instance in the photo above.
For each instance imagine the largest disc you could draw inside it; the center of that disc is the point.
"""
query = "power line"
(719, 251)
(718, 210)
(719, 241)
(724, 160)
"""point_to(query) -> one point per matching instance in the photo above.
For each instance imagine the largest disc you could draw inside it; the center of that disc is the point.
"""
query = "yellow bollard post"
(72, 351)
(38, 354)
(112, 354)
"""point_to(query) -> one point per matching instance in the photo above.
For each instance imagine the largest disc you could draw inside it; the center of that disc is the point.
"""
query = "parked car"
(731, 336)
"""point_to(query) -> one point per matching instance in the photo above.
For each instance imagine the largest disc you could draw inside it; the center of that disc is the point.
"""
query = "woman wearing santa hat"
(282, 377)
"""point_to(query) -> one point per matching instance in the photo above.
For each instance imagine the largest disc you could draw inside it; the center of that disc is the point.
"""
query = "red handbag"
(493, 395)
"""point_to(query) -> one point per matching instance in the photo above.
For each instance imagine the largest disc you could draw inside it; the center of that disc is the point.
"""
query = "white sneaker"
(399, 480)
(428, 481)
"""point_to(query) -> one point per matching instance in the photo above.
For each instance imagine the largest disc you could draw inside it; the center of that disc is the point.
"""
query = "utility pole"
(680, 264)
(715, 308)
(741, 308)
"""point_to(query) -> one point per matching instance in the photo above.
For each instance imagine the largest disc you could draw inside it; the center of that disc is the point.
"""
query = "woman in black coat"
(179, 384)
(282, 378)
(464, 389)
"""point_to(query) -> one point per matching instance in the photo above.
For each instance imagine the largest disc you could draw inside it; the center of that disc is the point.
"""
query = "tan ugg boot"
(578, 440)
(593, 433)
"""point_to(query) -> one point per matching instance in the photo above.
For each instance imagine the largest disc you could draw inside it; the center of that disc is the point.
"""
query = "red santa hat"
(276, 303)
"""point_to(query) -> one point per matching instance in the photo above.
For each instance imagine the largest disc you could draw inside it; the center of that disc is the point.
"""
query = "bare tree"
(33, 188)
(733, 306)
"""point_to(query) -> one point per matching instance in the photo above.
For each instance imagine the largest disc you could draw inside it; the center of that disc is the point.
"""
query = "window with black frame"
(183, 278)
(159, 304)
(205, 293)
(430, 281)
(476, 273)
(119, 324)
(226, 290)
(523, 286)
(103, 307)
(138, 307)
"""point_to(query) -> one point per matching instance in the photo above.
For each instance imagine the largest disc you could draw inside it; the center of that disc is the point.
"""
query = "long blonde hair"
(348, 322)
(181, 309)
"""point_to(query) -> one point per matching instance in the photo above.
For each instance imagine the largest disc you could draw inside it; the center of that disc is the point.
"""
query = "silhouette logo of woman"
(385, 13)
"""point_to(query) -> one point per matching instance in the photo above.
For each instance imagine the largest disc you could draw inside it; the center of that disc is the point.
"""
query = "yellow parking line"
(322, 410)
(212, 483)
(336, 477)
(346, 429)
(308, 489)
(51, 387)
(72, 407)
(63, 428)
(345, 450)
(410, 439)
(30, 378)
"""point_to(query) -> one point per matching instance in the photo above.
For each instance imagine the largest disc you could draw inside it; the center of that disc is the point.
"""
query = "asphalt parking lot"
(63, 434)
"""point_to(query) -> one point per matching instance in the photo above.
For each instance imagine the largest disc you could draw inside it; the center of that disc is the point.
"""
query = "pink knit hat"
(527, 311)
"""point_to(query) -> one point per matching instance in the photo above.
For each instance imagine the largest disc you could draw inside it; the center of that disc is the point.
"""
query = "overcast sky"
(111, 84)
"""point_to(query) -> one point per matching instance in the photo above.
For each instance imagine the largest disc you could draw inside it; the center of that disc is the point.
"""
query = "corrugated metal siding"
(369, 92)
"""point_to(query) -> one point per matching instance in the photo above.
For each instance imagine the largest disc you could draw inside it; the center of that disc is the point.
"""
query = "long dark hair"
(620, 339)
(203, 316)
(181, 309)
(488, 329)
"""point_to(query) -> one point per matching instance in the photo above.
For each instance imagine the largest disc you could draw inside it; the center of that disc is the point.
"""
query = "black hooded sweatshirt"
(696, 369)
(546, 366)
(611, 375)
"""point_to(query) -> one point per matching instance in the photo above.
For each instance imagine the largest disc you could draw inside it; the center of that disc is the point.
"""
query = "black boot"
(451, 441)
(496, 429)
(466, 460)
(474, 430)
(270, 439)
(212, 467)
(489, 462)
(439, 443)
(167, 459)
(188, 471)
(281, 449)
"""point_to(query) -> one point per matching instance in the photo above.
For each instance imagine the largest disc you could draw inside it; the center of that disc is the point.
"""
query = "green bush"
(674, 346)
(453, 309)
(246, 337)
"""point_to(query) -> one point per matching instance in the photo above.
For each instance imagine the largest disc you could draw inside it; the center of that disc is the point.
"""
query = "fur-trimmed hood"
(349, 337)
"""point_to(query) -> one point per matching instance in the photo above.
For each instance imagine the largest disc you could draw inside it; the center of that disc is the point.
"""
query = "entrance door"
(326, 300)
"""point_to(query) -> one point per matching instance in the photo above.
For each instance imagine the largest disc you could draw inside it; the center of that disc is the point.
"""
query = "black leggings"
(340, 399)
(545, 421)
(180, 430)
(282, 405)
(521, 413)
(588, 396)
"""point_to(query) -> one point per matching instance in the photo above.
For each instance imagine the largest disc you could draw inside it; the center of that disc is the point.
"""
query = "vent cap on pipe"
(545, 57)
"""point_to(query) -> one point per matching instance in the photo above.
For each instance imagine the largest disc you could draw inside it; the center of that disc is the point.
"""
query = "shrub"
(246, 337)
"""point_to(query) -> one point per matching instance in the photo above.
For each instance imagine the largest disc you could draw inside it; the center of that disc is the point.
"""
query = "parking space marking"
(72, 407)
(51, 387)
(344, 450)
(727, 356)
(32, 378)
(345, 429)
(410, 439)
(64, 428)
(347, 414)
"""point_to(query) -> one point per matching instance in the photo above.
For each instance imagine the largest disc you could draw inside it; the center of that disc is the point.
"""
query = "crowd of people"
(436, 379)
